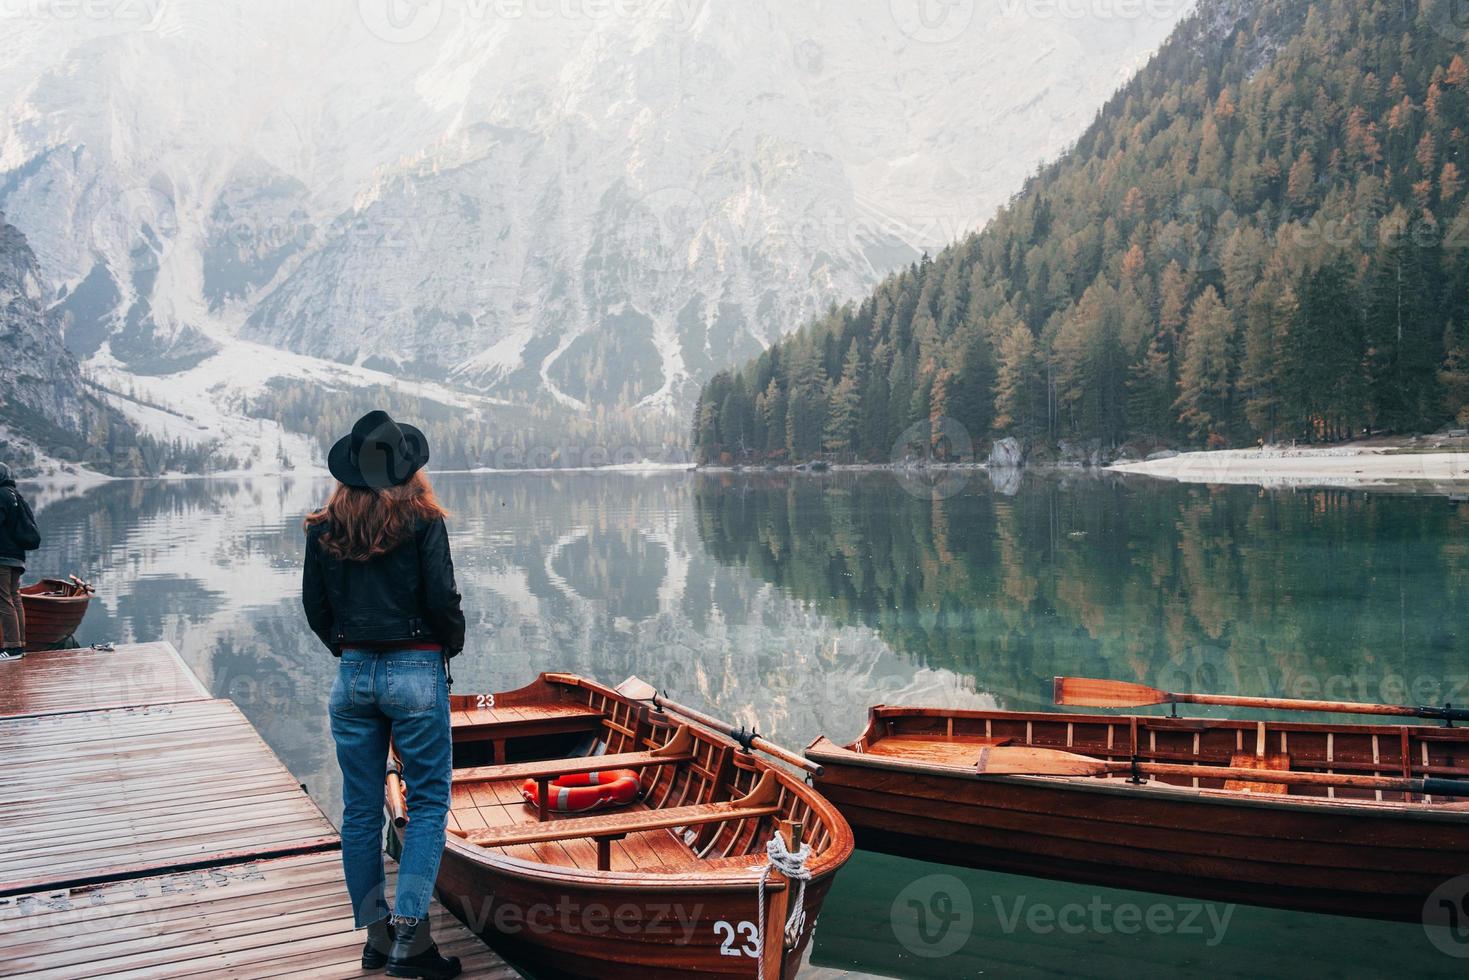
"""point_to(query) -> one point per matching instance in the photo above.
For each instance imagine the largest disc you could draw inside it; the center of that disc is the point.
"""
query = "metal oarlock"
(746, 737)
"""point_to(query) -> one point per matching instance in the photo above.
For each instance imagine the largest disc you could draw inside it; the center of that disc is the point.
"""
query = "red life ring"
(579, 792)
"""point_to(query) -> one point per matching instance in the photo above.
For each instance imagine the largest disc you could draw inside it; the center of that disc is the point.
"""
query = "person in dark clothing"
(18, 535)
(378, 589)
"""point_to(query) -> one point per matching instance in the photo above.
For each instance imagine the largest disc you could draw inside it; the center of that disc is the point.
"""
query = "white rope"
(793, 866)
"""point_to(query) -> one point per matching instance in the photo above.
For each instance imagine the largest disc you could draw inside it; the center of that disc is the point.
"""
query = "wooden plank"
(521, 714)
(56, 681)
(96, 789)
(156, 835)
(282, 917)
(620, 823)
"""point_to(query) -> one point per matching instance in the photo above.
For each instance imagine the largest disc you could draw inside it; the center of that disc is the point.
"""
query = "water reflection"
(800, 601)
(891, 917)
(1304, 593)
(607, 576)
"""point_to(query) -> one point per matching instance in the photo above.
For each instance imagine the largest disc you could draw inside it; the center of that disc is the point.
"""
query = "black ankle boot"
(379, 941)
(415, 955)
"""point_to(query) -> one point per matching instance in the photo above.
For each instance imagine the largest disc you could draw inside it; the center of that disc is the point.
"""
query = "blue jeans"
(402, 695)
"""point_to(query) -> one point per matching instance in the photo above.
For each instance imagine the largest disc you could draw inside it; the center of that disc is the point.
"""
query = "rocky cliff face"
(43, 400)
(40, 383)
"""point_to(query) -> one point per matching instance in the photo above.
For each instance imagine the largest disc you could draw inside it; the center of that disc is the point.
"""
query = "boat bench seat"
(524, 721)
(762, 801)
(680, 748)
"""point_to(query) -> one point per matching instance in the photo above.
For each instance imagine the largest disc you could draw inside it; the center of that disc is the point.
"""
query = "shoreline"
(1335, 466)
(1348, 465)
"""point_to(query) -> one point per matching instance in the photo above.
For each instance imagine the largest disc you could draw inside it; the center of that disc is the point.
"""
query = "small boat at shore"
(1363, 820)
(53, 610)
(667, 886)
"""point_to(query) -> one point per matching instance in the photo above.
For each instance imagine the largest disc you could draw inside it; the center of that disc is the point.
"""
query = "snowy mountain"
(585, 205)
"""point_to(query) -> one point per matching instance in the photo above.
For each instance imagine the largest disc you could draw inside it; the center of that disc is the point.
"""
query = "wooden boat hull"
(668, 888)
(608, 931)
(53, 618)
(1361, 857)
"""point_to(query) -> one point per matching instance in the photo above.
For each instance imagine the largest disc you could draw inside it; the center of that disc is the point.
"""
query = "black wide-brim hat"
(378, 453)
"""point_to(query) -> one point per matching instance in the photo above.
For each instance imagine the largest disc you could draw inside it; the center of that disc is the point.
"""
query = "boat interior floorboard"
(478, 806)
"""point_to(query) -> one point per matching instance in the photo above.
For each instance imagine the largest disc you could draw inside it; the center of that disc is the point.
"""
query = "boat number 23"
(484, 701)
(728, 933)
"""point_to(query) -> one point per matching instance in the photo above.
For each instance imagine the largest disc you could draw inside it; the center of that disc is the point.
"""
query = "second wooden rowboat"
(667, 887)
(910, 786)
(53, 610)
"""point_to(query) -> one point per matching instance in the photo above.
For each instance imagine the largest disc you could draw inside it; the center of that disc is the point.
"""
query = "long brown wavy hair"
(363, 523)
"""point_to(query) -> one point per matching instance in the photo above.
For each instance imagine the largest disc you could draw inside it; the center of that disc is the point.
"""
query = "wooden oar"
(640, 690)
(1089, 692)
(1023, 761)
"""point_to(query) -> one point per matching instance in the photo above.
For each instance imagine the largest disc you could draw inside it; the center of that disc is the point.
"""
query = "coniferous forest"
(1263, 236)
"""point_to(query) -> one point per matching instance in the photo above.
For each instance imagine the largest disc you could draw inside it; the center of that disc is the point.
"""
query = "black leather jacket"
(18, 533)
(406, 596)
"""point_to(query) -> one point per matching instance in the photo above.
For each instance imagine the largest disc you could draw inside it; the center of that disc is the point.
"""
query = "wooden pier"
(148, 831)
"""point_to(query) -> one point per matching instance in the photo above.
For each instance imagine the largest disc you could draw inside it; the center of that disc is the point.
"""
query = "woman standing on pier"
(378, 587)
(18, 534)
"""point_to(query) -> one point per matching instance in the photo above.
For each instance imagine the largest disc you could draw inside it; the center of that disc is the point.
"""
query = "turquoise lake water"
(796, 601)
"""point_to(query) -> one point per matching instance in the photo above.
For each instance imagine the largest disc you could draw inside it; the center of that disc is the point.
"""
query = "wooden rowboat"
(53, 610)
(668, 886)
(910, 785)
